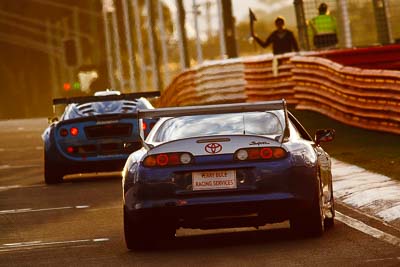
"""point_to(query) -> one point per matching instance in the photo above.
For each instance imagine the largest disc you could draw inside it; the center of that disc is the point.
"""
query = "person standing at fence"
(324, 28)
(282, 39)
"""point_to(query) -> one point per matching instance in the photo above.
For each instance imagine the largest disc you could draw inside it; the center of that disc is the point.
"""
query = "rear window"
(251, 123)
(106, 107)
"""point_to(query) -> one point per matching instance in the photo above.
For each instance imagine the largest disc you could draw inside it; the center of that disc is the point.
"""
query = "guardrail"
(363, 98)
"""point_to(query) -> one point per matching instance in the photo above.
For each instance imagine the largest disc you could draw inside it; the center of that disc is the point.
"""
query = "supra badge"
(213, 148)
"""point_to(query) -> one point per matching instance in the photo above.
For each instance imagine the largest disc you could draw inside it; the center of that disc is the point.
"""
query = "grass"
(375, 151)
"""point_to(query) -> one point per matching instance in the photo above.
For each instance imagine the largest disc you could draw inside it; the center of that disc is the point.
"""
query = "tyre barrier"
(210, 83)
(364, 98)
(180, 92)
(269, 78)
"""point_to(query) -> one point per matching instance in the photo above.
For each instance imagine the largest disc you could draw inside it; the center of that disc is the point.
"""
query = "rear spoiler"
(87, 99)
(218, 109)
(211, 109)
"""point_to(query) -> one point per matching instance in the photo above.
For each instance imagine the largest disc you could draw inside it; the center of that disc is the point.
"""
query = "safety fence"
(364, 98)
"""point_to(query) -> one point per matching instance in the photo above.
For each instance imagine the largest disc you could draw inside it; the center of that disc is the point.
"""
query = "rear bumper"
(63, 165)
(266, 192)
(67, 166)
(94, 166)
(220, 212)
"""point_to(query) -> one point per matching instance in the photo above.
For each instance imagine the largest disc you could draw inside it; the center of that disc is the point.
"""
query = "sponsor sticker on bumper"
(213, 180)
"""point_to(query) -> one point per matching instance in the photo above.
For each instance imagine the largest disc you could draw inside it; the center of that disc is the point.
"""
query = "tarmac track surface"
(79, 223)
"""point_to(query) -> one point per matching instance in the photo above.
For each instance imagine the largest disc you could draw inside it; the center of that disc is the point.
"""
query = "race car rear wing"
(87, 99)
(219, 109)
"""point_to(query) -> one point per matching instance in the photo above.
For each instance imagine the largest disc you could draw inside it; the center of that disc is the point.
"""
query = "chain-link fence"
(394, 19)
(350, 23)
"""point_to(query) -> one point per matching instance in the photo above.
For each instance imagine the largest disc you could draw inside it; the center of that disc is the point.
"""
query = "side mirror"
(324, 135)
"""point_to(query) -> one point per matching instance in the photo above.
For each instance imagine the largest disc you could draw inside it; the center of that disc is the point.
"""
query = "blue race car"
(222, 166)
(94, 134)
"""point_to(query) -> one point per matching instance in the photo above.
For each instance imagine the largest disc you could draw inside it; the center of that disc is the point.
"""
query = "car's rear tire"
(52, 173)
(311, 222)
(134, 239)
(141, 234)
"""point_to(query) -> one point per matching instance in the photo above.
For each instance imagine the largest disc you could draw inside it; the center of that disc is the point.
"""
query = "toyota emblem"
(213, 148)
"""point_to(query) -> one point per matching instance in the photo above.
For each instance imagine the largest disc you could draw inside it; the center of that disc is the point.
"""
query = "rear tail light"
(82, 149)
(168, 159)
(73, 131)
(63, 132)
(260, 153)
(72, 149)
(144, 126)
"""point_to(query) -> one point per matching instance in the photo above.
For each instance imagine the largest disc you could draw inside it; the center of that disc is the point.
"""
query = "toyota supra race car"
(94, 134)
(220, 166)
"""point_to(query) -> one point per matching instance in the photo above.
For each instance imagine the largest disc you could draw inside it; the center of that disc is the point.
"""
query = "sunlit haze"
(240, 11)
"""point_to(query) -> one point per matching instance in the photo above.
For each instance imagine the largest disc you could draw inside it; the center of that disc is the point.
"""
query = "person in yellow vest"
(324, 28)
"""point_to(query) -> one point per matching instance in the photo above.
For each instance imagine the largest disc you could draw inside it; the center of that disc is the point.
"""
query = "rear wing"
(219, 109)
(87, 99)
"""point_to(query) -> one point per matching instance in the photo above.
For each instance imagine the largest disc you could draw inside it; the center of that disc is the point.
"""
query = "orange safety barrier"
(363, 98)
(269, 78)
(210, 83)
(179, 92)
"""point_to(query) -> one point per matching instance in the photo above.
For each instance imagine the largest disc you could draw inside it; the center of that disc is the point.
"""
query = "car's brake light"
(266, 153)
(71, 149)
(162, 159)
(74, 131)
(144, 126)
(260, 153)
(168, 159)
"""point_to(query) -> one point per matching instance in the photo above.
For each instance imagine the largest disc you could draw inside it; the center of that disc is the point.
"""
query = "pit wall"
(365, 98)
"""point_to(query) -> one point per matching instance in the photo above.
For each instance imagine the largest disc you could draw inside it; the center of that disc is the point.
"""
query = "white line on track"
(38, 210)
(14, 149)
(8, 187)
(362, 227)
(6, 166)
(383, 259)
(40, 244)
